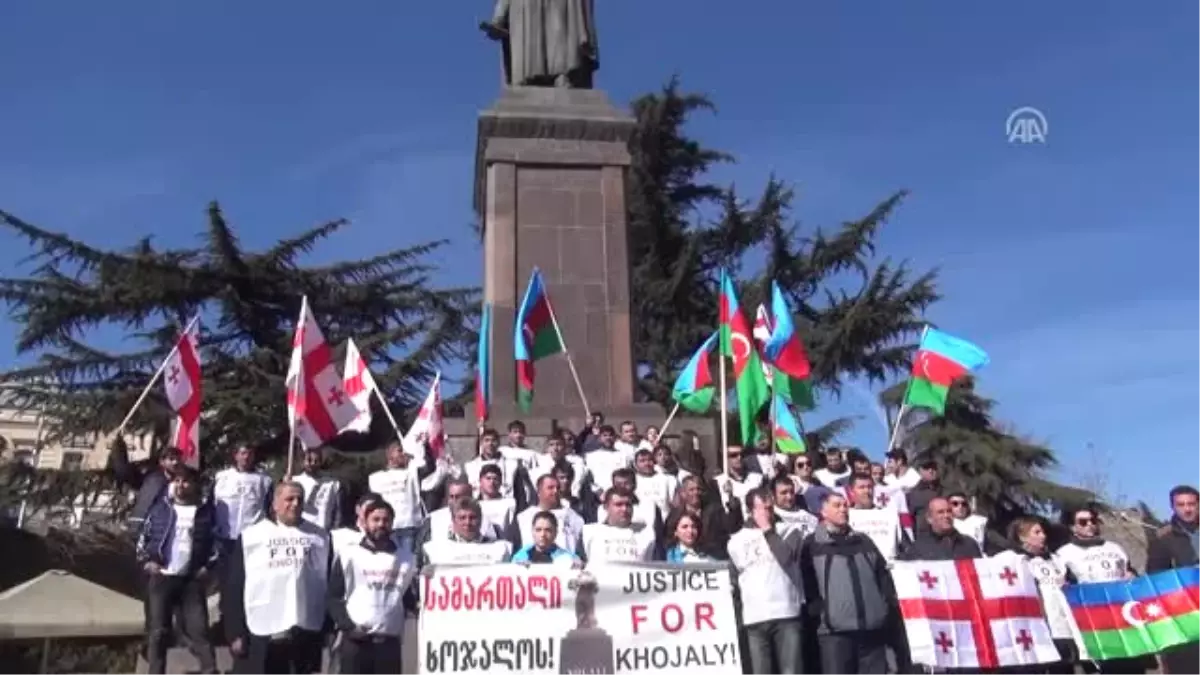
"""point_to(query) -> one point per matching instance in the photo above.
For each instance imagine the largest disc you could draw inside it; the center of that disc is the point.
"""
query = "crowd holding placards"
(628, 559)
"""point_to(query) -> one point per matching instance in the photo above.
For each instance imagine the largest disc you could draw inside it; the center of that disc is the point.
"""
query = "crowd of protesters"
(810, 544)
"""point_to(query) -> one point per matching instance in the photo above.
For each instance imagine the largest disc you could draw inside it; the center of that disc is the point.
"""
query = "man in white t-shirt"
(881, 525)
(652, 486)
(628, 440)
(835, 468)
(972, 525)
(371, 590)
(898, 472)
(603, 459)
(176, 549)
(738, 480)
(514, 445)
(322, 492)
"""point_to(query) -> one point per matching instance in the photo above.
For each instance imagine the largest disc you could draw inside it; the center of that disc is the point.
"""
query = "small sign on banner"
(605, 619)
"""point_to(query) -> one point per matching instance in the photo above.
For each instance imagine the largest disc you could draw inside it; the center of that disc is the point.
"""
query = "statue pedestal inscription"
(550, 190)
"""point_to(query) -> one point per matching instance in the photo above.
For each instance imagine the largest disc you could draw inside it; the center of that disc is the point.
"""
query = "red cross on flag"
(181, 385)
(318, 405)
(359, 386)
(973, 613)
(429, 424)
(893, 497)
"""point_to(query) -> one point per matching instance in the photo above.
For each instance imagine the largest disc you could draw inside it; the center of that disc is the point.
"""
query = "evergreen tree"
(248, 302)
(857, 315)
(1006, 473)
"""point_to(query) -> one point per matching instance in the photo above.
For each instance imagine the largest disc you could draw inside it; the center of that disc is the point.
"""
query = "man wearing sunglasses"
(971, 524)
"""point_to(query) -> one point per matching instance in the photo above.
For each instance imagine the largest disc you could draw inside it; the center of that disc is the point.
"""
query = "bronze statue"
(546, 43)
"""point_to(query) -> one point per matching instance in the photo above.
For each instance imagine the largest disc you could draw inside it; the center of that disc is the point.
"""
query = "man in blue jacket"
(177, 550)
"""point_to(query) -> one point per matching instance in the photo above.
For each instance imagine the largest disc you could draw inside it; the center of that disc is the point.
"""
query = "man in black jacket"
(151, 482)
(1175, 547)
(920, 496)
(850, 596)
(938, 540)
(717, 523)
(177, 549)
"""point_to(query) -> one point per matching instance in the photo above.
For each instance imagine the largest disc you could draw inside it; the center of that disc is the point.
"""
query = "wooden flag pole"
(662, 431)
(587, 409)
(724, 420)
(157, 374)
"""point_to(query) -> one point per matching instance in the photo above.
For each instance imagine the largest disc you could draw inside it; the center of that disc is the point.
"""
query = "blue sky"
(1073, 262)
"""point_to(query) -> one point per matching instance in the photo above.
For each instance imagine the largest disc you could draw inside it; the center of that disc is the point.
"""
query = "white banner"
(552, 619)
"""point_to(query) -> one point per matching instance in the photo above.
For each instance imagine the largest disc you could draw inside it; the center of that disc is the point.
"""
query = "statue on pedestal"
(546, 43)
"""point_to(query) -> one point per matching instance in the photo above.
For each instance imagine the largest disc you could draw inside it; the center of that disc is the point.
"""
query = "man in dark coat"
(1174, 547)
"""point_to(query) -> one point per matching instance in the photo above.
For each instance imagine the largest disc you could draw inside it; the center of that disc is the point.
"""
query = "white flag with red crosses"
(360, 385)
(983, 613)
(318, 405)
(181, 385)
(428, 426)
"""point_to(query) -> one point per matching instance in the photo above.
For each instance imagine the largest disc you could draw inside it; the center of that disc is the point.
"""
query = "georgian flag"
(181, 385)
(762, 332)
(360, 385)
(983, 613)
(318, 405)
(762, 326)
(428, 422)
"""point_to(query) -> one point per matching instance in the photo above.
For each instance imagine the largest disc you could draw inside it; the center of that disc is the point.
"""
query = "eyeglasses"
(1084, 522)
(802, 465)
(957, 502)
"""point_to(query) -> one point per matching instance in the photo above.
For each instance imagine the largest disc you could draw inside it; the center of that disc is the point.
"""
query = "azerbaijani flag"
(736, 342)
(786, 431)
(1119, 619)
(940, 360)
(694, 387)
(535, 336)
(785, 351)
(483, 392)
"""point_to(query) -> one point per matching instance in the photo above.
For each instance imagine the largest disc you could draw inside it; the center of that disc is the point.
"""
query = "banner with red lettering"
(553, 619)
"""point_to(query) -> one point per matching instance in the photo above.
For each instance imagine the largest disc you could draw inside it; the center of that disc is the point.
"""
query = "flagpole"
(663, 430)
(157, 374)
(904, 405)
(291, 446)
(386, 411)
(724, 420)
(587, 409)
(771, 433)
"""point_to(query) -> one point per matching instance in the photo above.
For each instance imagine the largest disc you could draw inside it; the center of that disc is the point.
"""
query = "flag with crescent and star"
(785, 352)
(785, 428)
(1121, 619)
(941, 359)
(318, 405)
(535, 336)
(983, 613)
(181, 384)
(753, 392)
(694, 387)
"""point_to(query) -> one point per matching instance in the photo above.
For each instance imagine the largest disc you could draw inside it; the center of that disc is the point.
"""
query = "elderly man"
(938, 540)
(274, 596)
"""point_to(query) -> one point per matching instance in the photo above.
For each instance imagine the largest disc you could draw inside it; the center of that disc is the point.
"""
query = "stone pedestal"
(550, 169)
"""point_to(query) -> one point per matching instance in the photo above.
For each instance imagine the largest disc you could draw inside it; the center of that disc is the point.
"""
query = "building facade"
(22, 439)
